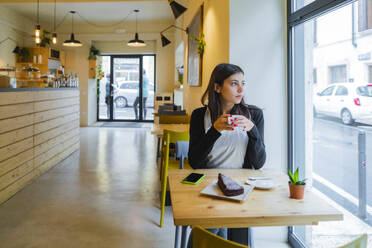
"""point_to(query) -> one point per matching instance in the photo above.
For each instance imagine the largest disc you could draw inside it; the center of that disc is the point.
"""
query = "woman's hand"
(221, 123)
(244, 122)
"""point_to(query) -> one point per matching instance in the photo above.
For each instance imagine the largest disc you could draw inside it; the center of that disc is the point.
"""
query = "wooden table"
(158, 130)
(261, 208)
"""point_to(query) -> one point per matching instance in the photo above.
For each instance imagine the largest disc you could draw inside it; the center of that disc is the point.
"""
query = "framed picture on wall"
(194, 59)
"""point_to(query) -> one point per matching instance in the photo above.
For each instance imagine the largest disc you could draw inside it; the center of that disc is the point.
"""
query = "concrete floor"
(105, 195)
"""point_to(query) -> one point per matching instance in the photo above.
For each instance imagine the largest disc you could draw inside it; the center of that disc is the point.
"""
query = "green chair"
(201, 238)
(166, 163)
(360, 242)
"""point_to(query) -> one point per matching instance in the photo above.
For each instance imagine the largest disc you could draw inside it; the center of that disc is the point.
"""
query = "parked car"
(125, 94)
(348, 101)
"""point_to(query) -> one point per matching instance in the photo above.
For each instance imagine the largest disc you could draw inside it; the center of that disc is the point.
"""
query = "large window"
(330, 115)
(337, 74)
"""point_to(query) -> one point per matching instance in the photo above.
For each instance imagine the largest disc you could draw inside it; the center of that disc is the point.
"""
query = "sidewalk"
(337, 233)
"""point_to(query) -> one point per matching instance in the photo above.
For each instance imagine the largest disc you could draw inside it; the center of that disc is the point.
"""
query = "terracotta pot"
(296, 191)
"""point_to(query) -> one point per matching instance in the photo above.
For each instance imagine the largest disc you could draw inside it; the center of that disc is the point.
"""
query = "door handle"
(327, 100)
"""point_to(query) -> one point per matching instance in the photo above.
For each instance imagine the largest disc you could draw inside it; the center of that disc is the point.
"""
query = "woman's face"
(232, 90)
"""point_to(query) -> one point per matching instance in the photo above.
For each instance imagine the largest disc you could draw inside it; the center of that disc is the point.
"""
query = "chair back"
(203, 239)
(174, 119)
(169, 137)
(360, 242)
(172, 112)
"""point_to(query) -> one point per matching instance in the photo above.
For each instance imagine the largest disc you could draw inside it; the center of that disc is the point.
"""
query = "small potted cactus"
(296, 186)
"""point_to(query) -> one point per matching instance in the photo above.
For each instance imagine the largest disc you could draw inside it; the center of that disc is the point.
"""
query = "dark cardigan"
(201, 143)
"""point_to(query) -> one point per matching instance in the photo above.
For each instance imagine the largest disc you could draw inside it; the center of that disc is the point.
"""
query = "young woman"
(214, 143)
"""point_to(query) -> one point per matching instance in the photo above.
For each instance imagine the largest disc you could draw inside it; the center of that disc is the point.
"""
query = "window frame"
(308, 12)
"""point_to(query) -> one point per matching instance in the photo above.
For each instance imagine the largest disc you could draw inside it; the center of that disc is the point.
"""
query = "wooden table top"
(261, 207)
(159, 128)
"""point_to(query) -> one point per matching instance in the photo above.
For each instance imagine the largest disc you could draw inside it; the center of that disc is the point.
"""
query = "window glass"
(298, 4)
(337, 74)
(364, 91)
(326, 130)
(328, 91)
(341, 91)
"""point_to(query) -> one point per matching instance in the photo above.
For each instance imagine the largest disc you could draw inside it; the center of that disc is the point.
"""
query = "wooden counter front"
(38, 129)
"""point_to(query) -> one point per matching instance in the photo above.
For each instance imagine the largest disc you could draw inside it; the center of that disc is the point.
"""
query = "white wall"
(15, 27)
(257, 44)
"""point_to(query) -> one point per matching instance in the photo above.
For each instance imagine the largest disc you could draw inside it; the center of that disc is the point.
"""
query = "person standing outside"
(145, 94)
(107, 95)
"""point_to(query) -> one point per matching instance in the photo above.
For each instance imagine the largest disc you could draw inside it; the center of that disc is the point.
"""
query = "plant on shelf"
(296, 186)
(23, 54)
(93, 53)
(45, 38)
(201, 42)
(180, 74)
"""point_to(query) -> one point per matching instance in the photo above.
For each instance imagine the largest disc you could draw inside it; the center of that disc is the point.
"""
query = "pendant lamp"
(72, 42)
(136, 42)
(54, 35)
(37, 29)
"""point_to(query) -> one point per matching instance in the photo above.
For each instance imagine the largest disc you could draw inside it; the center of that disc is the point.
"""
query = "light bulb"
(37, 40)
(54, 38)
(37, 31)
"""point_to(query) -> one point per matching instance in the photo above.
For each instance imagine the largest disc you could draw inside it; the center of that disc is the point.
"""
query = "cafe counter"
(39, 127)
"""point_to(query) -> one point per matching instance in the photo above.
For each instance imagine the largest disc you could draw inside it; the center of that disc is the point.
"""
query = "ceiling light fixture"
(177, 8)
(164, 40)
(136, 42)
(37, 29)
(54, 35)
(72, 42)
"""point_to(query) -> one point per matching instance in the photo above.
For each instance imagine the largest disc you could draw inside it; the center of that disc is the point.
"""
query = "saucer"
(261, 184)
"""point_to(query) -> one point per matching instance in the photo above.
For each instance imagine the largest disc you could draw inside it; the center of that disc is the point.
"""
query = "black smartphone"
(193, 178)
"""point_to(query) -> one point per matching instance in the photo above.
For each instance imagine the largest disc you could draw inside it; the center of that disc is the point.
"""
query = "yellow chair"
(174, 119)
(166, 163)
(360, 242)
(201, 238)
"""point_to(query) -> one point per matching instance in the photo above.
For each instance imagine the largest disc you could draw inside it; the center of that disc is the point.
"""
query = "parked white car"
(348, 101)
(125, 94)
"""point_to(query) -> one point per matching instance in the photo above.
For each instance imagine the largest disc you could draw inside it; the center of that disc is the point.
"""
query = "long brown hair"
(219, 74)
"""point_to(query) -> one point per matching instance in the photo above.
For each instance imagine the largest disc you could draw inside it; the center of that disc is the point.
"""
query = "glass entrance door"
(126, 87)
(127, 91)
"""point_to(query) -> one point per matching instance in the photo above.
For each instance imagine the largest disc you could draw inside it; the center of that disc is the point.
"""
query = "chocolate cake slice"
(228, 186)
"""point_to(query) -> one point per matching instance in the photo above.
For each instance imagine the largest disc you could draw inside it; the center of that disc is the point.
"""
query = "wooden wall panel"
(15, 123)
(56, 159)
(42, 158)
(54, 113)
(13, 188)
(47, 95)
(58, 154)
(8, 111)
(44, 147)
(16, 135)
(47, 125)
(52, 104)
(15, 174)
(43, 137)
(38, 129)
(9, 98)
(16, 148)
(14, 162)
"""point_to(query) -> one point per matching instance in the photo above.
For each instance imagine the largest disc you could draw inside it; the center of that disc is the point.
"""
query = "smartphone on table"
(193, 178)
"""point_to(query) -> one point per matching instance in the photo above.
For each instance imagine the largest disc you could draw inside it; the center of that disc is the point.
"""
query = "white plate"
(261, 184)
(214, 190)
